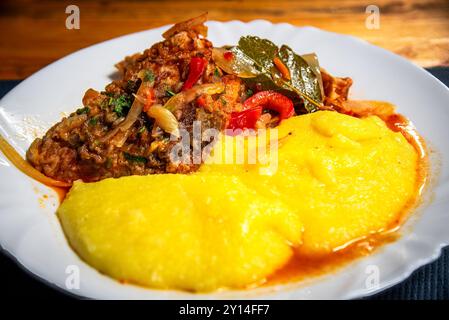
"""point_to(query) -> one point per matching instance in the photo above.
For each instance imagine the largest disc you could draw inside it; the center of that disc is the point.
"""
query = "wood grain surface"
(33, 33)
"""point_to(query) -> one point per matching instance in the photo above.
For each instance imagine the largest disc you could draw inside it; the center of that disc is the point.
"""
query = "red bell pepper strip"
(228, 55)
(201, 101)
(197, 66)
(254, 105)
(245, 119)
(273, 101)
(151, 98)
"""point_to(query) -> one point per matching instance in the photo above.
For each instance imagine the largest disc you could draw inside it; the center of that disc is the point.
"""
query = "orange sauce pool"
(304, 267)
(61, 192)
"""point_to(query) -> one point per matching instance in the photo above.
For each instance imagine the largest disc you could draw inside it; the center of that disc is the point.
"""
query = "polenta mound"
(190, 232)
(338, 179)
(346, 177)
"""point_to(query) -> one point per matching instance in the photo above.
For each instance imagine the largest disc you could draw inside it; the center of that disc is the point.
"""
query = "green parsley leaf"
(84, 110)
(141, 130)
(121, 105)
(148, 76)
(169, 93)
(93, 121)
(134, 158)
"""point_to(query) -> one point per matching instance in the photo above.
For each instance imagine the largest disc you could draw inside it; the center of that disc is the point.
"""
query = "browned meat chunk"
(75, 148)
(335, 90)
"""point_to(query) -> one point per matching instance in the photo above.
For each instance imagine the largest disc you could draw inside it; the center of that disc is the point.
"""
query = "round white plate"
(30, 231)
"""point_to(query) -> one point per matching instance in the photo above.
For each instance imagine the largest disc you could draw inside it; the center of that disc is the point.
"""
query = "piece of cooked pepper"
(282, 68)
(197, 66)
(150, 99)
(254, 105)
(271, 100)
(245, 119)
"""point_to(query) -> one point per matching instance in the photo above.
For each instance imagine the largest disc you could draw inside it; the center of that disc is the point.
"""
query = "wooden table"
(33, 33)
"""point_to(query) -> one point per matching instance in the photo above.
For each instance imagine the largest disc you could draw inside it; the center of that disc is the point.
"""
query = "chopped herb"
(93, 121)
(134, 158)
(169, 93)
(104, 103)
(121, 105)
(249, 93)
(223, 101)
(148, 76)
(216, 72)
(84, 110)
(141, 130)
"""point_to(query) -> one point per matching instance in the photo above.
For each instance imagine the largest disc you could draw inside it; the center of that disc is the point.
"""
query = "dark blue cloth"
(429, 282)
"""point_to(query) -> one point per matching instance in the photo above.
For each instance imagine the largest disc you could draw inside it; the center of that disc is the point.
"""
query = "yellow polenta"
(345, 177)
(192, 232)
(333, 179)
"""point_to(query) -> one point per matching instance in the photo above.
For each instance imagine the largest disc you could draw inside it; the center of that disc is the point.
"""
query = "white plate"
(30, 231)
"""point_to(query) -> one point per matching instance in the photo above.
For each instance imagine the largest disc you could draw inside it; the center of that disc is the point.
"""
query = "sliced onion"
(24, 166)
(186, 25)
(185, 97)
(141, 99)
(164, 119)
(133, 113)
